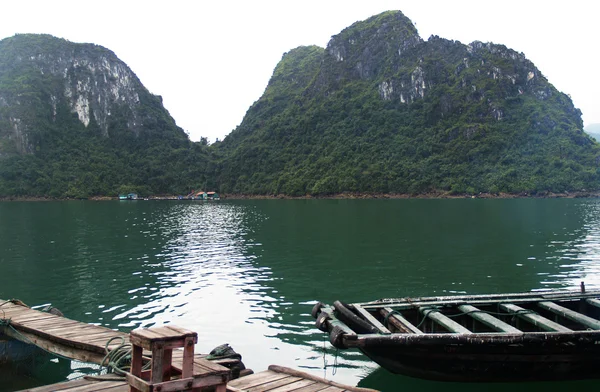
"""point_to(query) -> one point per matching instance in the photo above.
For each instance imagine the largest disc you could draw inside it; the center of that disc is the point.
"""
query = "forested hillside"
(75, 121)
(381, 110)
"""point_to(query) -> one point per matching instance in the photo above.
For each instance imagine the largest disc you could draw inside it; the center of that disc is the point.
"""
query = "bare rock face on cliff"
(75, 121)
(47, 81)
(382, 110)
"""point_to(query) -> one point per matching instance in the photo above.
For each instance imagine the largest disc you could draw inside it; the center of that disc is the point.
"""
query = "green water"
(247, 273)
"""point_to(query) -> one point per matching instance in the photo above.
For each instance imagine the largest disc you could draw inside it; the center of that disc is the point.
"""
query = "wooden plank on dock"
(54, 347)
(571, 314)
(62, 386)
(79, 333)
(257, 379)
(101, 386)
(84, 385)
(307, 376)
(371, 319)
(398, 321)
(21, 311)
(62, 336)
(275, 384)
(281, 379)
(46, 319)
(442, 320)
(488, 319)
(533, 318)
(275, 379)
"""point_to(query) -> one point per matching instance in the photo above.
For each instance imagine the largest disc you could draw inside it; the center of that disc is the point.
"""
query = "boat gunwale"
(474, 338)
(357, 339)
(486, 338)
(478, 299)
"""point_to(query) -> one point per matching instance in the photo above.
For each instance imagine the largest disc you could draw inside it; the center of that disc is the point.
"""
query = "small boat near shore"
(535, 336)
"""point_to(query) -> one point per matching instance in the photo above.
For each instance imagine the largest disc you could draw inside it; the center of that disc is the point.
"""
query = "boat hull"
(500, 364)
(506, 338)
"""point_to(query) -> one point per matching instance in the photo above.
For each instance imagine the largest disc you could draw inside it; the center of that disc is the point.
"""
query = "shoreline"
(341, 196)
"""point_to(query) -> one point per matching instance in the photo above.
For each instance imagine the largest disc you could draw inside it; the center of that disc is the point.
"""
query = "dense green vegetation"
(487, 121)
(55, 155)
(378, 111)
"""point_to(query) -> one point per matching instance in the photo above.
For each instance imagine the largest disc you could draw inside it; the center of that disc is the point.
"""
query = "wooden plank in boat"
(411, 303)
(488, 319)
(399, 321)
(369, 317)
(442, 320)
(570, 314)
(594, 302)
(535, 319)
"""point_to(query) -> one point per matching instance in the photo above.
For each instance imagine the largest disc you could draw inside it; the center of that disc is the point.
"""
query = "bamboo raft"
(507, 337)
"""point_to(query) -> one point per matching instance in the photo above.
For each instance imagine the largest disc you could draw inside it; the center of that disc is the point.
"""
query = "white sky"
(210, 60)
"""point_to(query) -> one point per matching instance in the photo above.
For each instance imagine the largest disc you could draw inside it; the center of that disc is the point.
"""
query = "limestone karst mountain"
(382, 110)
(379, 110)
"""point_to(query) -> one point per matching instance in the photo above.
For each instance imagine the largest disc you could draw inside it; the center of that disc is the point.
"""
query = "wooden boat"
(505, 337)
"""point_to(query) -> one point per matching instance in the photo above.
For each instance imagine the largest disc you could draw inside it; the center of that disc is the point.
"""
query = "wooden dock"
(280, 379)
(87, 343)
(276, 379)
(65, 337)
(56, 334)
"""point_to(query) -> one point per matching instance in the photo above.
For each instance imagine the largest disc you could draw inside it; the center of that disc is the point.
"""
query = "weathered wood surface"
(587, 321)
(276, 379)
(535, 319)
(371, 319)
(59, 335)
(82, 385)
(398, 321)
(280, 379)
(442, 320)
(81, 341)
(480, 299)
(488, 319)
